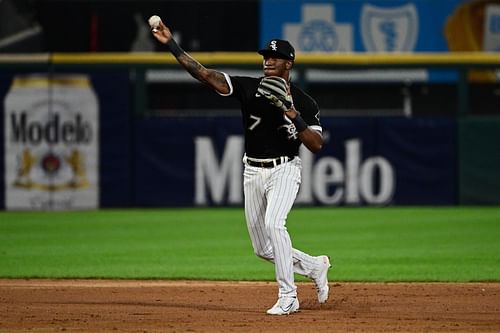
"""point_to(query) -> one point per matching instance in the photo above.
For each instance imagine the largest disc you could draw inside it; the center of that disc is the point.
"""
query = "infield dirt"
(199, 306)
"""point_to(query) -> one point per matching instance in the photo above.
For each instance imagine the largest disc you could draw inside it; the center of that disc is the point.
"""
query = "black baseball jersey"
(268, 132)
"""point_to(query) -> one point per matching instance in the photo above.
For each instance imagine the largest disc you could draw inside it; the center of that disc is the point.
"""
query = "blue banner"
(358, 26)
(365, 161)
(116, 137)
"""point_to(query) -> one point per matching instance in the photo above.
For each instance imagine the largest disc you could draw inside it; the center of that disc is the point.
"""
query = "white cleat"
(320, 278)
(284, 306)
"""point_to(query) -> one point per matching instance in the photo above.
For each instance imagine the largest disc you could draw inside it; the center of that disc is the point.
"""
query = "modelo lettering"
(331, 183)
(74, 131)
(326, 180)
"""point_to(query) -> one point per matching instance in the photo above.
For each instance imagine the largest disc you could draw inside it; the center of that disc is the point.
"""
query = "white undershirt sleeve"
(229, 83)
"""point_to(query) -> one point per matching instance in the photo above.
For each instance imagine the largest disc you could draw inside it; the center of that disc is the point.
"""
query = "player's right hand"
(162, 33)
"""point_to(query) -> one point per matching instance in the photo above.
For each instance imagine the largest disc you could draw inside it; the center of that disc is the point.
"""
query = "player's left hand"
(276, 90)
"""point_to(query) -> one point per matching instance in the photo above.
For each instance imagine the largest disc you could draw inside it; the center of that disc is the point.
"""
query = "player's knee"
(266, 255)
(275, 229)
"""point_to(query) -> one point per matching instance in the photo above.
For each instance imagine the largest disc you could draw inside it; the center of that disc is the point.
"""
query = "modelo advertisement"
(66, 140)
(51, 142)
(369, 161)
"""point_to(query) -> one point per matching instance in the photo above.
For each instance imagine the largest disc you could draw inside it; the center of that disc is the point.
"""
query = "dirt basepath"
(166, 306)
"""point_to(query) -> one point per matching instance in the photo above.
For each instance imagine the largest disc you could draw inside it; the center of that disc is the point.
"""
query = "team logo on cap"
(273, 45)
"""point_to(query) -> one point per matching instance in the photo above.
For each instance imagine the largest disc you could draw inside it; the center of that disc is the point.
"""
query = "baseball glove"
(275, 89)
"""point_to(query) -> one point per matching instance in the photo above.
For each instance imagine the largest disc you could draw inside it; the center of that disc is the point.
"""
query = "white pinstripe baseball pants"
(269, 197)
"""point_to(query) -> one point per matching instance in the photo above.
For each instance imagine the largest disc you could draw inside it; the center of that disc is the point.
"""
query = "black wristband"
(174, 48)
(299, 123)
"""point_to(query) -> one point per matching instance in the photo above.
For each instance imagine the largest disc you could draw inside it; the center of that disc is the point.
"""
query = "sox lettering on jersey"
(291, 130)
(326, 180)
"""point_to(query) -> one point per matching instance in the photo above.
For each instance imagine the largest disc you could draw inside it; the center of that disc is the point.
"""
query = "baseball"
(154, 22)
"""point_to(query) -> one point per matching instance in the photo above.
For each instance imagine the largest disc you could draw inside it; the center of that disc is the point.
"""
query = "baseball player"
(278, 117)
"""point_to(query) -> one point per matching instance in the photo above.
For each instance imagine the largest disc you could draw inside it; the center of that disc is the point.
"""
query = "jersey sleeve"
(239, 86)
(229, 83)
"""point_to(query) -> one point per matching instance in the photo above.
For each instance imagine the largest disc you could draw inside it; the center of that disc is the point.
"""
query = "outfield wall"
(110, 146)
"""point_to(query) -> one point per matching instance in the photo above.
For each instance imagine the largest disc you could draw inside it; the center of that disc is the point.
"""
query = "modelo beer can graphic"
(51, 143)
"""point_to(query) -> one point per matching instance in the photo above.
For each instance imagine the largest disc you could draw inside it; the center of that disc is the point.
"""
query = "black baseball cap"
(279, 48)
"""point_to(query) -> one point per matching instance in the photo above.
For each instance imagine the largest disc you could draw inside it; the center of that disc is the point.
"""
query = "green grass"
(365, 244)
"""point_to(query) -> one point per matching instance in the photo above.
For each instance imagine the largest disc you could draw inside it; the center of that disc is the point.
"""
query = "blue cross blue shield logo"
(393, 29)
(318, 31)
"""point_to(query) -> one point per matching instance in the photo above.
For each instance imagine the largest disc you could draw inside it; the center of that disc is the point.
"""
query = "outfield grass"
(365, 244)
